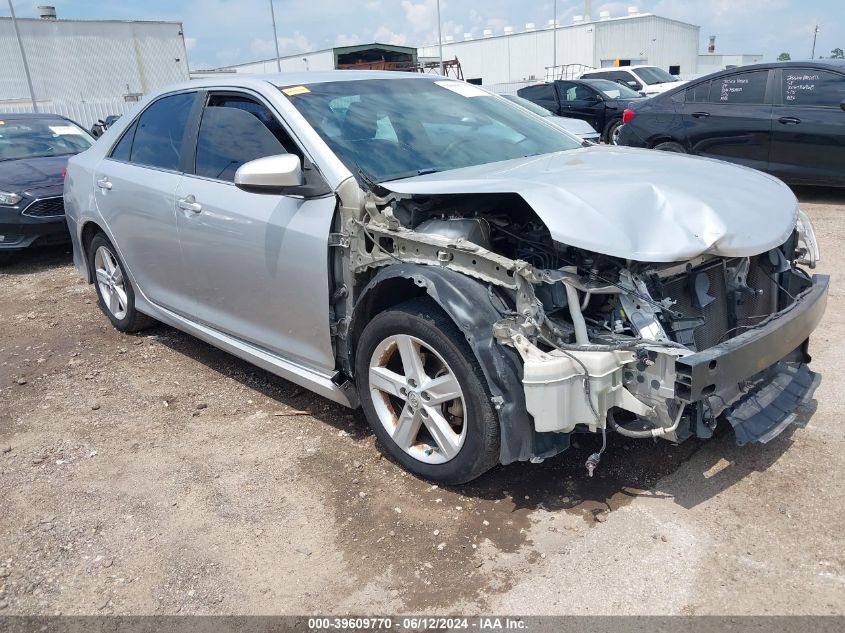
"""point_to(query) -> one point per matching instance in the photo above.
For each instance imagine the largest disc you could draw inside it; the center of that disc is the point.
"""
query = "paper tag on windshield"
(463, 89)
(64, 130)
(295, 90)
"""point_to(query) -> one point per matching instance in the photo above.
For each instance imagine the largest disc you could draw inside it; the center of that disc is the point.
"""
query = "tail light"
(627, 115)
(64, 172)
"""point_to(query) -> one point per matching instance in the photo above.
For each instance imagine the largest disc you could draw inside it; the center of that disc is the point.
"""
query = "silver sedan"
(483, 284)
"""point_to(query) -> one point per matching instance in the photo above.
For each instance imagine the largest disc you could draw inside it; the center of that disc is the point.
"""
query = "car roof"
(10, 116)
(834, 64)
(245, 80)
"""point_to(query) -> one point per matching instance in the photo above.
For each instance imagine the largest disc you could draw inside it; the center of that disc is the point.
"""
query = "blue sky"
(220, 32)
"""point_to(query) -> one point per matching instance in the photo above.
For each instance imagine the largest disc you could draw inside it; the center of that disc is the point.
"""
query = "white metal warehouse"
(635, 38)
(87, 69)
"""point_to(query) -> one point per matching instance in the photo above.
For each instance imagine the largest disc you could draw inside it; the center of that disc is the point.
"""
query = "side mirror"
(842, 104)
(271, 174)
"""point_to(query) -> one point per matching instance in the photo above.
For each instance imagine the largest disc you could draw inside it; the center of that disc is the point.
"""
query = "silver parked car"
(481, 283)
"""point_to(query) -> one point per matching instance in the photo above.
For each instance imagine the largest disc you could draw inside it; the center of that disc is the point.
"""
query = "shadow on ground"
(629, 468)
(35, 259)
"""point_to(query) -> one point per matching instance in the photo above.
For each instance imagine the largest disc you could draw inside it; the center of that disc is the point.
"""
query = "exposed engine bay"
(645, 349)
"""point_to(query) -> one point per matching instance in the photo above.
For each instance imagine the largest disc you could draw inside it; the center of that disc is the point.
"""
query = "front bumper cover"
(727, 364)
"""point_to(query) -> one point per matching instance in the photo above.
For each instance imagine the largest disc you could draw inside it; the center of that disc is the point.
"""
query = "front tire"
(425, 395)
(115, 294)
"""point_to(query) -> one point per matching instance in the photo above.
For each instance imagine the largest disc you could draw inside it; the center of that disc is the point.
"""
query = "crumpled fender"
(468, 303)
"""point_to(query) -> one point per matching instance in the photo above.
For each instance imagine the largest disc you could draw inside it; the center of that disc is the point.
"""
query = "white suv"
(649, 80)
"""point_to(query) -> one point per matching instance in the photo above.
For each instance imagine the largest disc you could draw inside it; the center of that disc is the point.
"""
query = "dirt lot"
(156, 474)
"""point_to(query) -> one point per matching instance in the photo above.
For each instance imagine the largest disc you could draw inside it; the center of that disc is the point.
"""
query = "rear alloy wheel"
(611, 135)
(424, 394)
(670, 146)
(114, 290)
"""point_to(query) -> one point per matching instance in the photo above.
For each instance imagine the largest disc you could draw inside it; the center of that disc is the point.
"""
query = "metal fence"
(85, 113)
(510, 88)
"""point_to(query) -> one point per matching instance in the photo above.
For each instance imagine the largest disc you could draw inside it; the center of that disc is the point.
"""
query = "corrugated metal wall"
(516, 58)
(655, 40)
(319, 60)
(83, 113)
(75, 61)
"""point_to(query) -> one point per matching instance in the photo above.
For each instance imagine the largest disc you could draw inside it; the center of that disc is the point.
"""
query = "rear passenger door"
(729, 118)
(135, 190)
(808, 137)
(258, 262)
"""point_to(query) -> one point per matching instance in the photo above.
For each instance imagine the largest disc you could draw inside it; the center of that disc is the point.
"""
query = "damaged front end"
(645, 349)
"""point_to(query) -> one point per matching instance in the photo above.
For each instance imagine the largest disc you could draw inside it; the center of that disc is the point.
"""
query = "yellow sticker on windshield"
(295, 90)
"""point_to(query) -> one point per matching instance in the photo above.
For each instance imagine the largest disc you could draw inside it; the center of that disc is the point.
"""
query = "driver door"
(258, 262)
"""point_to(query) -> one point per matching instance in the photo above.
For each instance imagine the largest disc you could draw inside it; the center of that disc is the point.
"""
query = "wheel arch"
(86, 235)
(468, 303)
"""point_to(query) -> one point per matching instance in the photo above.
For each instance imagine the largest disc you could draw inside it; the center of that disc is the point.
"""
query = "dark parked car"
(34, 149)
(784, 118)
(103, 124)
(599, 102)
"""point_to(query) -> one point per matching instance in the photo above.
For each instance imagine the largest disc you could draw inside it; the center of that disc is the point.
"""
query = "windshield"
(613, 90)
(35, 138)
(397, 128)
(654, 75)
(528, 105)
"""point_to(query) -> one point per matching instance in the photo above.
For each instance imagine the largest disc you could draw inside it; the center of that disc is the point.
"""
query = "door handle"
(189, 203)
(103, 183)
(700, 115)
(789, 120)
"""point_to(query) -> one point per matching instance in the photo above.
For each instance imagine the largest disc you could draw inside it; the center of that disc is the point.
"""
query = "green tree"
(837, 53)
(784, 57)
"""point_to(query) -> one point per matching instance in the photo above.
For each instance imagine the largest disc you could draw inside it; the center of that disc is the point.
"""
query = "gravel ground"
(155, 474)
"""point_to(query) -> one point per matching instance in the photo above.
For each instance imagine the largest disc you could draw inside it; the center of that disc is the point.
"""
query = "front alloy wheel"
(425, 395)
(417, 399)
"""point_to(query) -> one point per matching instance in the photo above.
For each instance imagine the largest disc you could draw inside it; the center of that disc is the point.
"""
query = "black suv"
(784, 118)
(599, 102)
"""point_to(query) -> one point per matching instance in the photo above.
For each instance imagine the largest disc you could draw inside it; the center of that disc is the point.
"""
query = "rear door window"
(811, 87)
(741, 88)
(538, 93)
(158, 138)
(235, 130)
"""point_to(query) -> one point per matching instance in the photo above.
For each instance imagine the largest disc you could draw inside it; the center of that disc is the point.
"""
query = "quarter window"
(123, 148)
(235, 130)
(811, 87)
(742, 88)
(158, 139)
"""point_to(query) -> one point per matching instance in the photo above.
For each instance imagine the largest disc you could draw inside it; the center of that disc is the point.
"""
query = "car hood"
(643, 205)
(27, 175)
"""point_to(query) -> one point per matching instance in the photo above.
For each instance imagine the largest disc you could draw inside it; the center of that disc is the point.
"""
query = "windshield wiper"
(427, 170)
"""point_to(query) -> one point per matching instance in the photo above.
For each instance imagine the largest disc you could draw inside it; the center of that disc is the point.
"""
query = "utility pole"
(23, 57)
(275, 36)
(554, 42)
(815, 34)
(440, 39)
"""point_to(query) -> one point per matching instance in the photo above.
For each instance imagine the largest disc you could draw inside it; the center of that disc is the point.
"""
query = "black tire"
(132, 321)
(424, 320)
(610, 129)
(670, 146)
